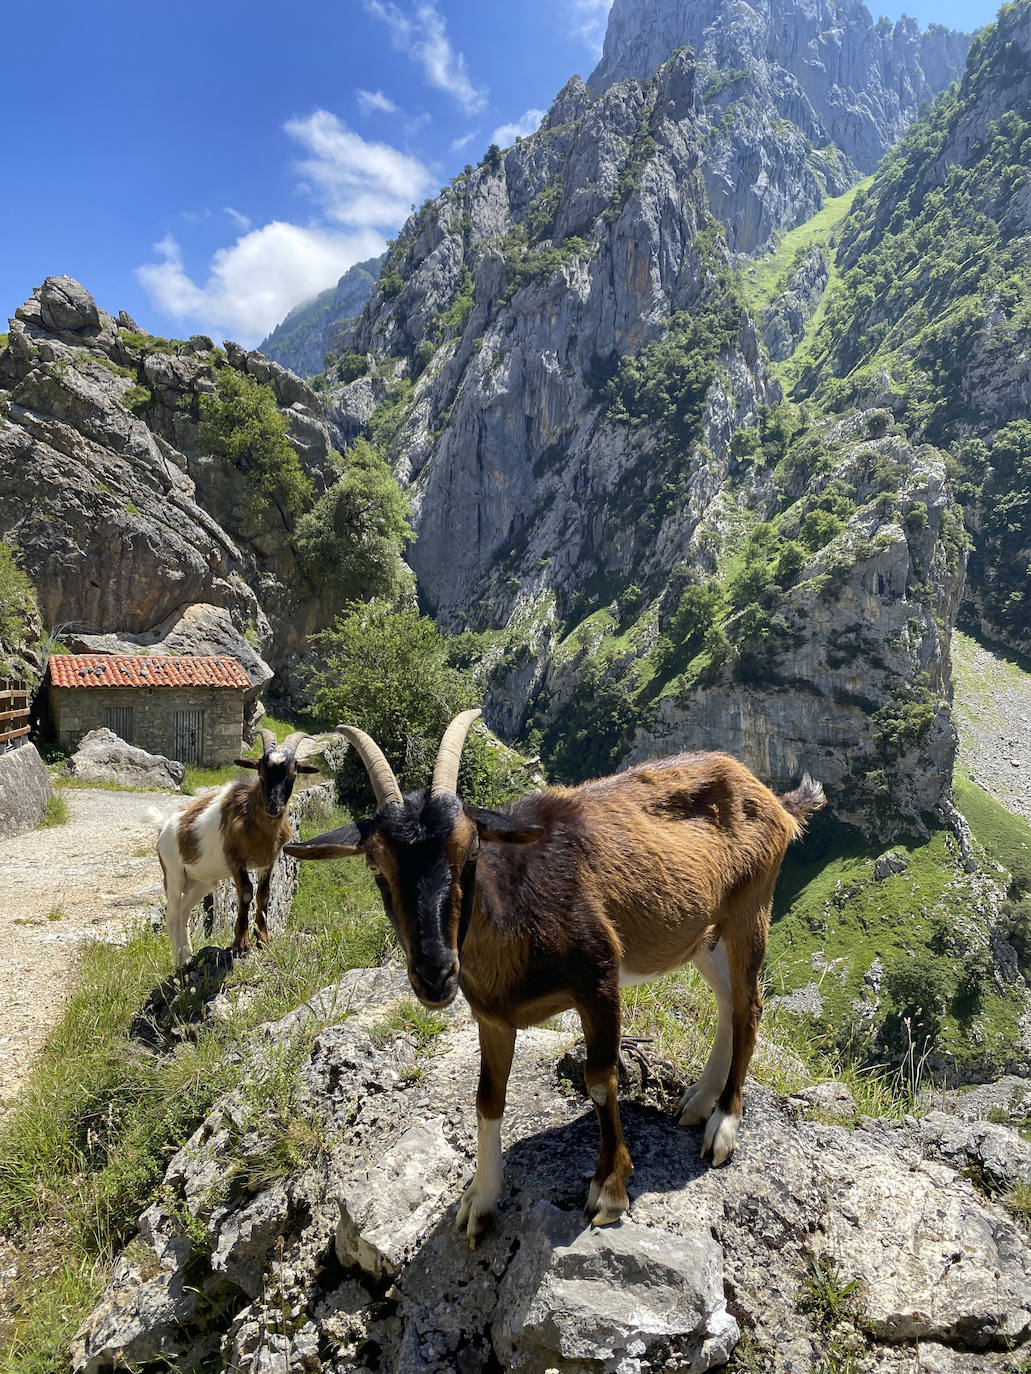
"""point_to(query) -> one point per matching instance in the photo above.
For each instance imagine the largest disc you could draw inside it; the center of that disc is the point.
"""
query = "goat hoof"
(475, 1216)
(606, 1202)
(720, 1137)
(697, 1105)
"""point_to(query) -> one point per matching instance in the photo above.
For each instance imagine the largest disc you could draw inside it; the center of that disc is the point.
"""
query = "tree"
(386, 671)
(242, 424)
(351, 539)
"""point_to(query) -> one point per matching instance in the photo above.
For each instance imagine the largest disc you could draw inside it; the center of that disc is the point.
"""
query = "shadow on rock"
(184, 1000)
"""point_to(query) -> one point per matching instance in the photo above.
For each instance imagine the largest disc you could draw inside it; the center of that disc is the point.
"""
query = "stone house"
(185, 707)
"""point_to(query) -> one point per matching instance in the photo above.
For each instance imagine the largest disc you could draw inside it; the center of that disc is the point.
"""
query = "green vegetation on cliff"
(242, 424)
(17, 604)
(351, 538)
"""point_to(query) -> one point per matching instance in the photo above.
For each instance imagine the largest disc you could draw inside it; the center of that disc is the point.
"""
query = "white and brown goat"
(563, 896)
(222, 834)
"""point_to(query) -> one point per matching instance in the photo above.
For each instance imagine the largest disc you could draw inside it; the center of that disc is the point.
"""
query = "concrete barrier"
(24, 790)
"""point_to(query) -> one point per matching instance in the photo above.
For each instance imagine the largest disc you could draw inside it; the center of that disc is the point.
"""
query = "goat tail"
(807, 798)
(159, 819)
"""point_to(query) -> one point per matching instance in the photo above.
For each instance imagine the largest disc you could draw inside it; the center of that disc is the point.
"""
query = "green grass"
(411, 1018)
(1006, 838)
(677, 1016)
(829, 905)
(760, 281)
(84, 1146)
(56, 812)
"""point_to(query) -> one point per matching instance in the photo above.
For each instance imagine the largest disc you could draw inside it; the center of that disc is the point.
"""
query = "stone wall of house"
(152, 724)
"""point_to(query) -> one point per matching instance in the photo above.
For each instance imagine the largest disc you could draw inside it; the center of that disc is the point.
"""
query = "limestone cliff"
(565, 379)
(928, 313)
(124, 524)
(828, 67)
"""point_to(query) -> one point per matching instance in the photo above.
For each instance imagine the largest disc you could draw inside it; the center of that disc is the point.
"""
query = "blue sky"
(207, 167)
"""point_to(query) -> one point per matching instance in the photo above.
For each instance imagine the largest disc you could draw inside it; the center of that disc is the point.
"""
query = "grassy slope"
(832, 919)
(763, 279)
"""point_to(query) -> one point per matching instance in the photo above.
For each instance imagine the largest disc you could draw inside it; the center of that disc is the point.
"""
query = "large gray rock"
(66, 306)
(599, 1299)
(24, 789)
(103, 757)
(298, 1268)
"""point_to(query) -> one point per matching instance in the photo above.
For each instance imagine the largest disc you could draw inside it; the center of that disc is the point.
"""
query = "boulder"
(24, 789)
(67, 307)
(103, 757)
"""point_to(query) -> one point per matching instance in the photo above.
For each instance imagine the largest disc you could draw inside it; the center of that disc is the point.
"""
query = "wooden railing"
(14, 711)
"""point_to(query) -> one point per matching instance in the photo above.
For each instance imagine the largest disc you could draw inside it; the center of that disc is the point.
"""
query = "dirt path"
(58, 887)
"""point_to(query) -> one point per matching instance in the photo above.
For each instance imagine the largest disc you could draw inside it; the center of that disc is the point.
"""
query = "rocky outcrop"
(313, 328)
(103, 757)
(352, 1261)
(783, 324)
(125, 526)
(828, 68)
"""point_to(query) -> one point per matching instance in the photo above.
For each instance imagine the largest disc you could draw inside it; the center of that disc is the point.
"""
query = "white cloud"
(363, 192)
(459, 143)
(525, 125)
(242, 222)
(376, 102)
(423, 36)
(587, 20)
(253, 284)
(359, 183)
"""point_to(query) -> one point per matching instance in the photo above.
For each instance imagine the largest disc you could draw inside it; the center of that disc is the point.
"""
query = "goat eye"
(374, 868)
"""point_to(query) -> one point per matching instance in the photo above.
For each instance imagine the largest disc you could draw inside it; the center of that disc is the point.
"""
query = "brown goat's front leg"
(479, 1204)
(245, 895)
(260, 928)
(606, 1198)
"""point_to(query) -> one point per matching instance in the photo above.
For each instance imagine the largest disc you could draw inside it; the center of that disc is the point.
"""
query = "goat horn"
(449, 755)
(293, 742)
(381, 775)
(268, 739)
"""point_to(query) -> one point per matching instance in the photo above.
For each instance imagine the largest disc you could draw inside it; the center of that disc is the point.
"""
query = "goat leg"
(607, 1198)
(746, 945)
(245, 895)
(698, 1101)
(480, 1200)
(209, 914)
(260, 906)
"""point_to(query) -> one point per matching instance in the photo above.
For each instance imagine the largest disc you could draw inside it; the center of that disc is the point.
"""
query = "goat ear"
(492, 825)
(246, 763)
(306, 768)
(334, 844)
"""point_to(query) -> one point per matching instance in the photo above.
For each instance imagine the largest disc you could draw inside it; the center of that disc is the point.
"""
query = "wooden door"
(188, 745)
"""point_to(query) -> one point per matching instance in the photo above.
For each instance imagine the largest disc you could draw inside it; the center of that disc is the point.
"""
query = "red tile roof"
(151, 670)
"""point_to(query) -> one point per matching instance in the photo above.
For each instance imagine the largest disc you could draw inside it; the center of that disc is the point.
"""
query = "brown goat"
(554, 902)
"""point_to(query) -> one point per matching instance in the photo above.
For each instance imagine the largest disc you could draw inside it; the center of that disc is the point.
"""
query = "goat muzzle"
(436, 988)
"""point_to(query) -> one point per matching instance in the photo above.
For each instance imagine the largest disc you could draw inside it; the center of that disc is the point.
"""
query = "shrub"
(242, 424)
(352, 537)
(386, 671)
